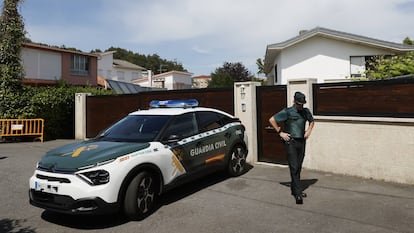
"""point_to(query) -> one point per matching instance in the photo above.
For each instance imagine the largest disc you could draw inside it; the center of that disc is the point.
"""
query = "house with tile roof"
(47, 65)
(326, 55)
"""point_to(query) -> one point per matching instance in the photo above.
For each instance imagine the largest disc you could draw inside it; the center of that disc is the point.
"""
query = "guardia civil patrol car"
(127, 166)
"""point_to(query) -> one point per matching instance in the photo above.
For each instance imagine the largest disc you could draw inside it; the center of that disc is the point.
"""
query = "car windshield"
(135, 128)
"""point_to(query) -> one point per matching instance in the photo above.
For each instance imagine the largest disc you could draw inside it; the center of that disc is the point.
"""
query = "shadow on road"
(15, 226)
(90, 222)
(303, 183)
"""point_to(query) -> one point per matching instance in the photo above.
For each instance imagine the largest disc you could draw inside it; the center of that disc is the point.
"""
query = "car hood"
(75, 156)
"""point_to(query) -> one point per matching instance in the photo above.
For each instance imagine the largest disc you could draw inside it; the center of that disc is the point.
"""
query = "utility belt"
(299, 140)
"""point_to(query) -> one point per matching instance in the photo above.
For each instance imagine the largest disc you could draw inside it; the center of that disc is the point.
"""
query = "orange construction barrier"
(22, 127)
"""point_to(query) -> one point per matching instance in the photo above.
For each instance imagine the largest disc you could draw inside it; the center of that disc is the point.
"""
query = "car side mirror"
(173, 138)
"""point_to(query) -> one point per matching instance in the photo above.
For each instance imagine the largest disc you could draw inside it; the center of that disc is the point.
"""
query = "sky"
(204, 34)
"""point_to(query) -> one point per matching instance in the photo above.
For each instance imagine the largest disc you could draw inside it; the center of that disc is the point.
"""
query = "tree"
(408, 41)
(384, 67)
(151, 62)
(229, 73)
(12, 36)
(260, 66)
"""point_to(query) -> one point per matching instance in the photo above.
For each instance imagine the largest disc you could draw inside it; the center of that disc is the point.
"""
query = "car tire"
(237, 160)
(140, 196)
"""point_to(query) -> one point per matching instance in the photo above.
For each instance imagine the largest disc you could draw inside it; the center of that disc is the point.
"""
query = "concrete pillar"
(80, 115)
(245, 109)
(304, 86)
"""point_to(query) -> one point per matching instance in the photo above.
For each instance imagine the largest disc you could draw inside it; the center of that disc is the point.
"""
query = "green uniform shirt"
(294, 120)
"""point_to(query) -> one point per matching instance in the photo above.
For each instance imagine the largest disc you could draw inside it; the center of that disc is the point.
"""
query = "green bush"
(56, 105)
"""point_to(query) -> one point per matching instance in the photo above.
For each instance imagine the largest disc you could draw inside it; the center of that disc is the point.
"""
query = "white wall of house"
(39, 64)
(321, 58)
(143, 83)
(105, 63)
(182, 81)
(107, 70)
(126, 75)
(169, 82)
(173, 80)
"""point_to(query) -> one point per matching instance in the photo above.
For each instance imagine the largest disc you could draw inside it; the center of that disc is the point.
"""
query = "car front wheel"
(237, 163)
(140, 196)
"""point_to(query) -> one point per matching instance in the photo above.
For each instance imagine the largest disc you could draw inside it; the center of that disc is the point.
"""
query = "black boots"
(299, 199)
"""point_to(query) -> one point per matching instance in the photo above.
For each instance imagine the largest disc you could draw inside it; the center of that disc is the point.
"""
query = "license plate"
(44, 187)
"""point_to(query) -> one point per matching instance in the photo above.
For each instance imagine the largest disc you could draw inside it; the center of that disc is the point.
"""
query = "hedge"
(54, 104)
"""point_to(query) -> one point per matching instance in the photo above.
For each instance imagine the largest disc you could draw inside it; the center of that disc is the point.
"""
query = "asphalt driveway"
(258, 201)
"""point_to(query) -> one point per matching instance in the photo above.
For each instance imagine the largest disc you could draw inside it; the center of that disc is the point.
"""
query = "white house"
(326, 55)
(172, 80)
(105, 64)
(119, 70)
(127, 71)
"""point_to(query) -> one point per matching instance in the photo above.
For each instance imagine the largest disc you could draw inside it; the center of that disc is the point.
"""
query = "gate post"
(304, 86)
(245, 109)
(80, 115)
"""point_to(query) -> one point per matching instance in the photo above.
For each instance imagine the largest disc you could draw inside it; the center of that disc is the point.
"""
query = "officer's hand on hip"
(307, 134)
(285, 136)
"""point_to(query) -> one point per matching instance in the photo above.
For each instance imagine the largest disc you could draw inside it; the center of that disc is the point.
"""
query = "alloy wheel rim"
(146, 194)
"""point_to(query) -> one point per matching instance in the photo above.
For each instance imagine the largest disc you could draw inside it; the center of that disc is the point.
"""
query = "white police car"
(130, 164)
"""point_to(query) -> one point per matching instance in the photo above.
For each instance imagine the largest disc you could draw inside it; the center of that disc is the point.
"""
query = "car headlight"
(97, 177)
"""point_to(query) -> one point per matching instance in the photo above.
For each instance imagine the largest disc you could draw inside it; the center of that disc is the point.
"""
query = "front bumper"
(68, 193)
(68, 205)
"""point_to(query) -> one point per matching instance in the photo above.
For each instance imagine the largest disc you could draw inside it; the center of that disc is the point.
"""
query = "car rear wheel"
(140, 196)
(237, 163)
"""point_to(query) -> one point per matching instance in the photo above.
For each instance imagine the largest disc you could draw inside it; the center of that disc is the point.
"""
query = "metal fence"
(21, 128)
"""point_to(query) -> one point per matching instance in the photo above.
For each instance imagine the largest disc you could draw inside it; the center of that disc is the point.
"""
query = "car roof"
(176, 111)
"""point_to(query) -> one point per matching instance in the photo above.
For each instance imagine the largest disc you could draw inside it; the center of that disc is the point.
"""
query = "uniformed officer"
(294, 136)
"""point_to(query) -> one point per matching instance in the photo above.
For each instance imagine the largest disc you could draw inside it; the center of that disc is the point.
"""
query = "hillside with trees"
(150, 62)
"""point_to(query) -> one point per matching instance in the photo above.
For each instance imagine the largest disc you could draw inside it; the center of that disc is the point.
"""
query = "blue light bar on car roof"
(174, 103)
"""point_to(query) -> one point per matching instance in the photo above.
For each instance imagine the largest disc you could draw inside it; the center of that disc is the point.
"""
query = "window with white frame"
(79, 65)
(360, 64)
(357, 66)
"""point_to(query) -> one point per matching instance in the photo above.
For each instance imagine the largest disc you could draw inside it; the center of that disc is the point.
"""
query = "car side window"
(209, 121)
(182, 126)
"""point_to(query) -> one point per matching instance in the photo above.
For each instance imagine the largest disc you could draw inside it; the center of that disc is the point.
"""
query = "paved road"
(258, 201)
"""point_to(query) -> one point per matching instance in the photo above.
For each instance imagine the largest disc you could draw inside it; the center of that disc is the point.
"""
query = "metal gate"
(270, 99)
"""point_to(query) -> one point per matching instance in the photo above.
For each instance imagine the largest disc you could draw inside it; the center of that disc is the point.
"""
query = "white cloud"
(235, 23)
(200, 50)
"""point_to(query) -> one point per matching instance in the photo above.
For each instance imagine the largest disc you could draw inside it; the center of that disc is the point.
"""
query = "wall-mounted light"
(242, 91)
